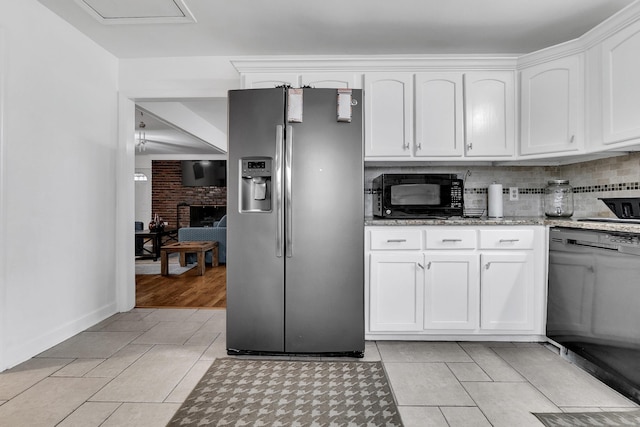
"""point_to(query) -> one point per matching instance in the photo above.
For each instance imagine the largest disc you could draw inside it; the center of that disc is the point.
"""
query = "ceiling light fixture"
(142, 135)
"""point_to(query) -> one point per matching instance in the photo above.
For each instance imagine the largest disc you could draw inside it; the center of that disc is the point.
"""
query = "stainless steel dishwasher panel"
(593, 307)
(616, 297)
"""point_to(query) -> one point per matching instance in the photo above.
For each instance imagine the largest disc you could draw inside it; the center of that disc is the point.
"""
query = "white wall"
(177, 78)
(59, 195)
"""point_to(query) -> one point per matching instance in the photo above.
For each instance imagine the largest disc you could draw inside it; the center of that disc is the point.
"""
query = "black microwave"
(417, 196)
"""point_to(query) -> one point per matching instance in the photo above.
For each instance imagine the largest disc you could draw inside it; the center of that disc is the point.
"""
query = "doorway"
(160, 148)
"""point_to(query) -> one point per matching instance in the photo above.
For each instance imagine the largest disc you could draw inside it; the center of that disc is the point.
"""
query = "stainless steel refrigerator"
(295, 222)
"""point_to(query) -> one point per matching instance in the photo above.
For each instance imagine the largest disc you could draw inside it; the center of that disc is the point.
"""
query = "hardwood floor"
(184, 290)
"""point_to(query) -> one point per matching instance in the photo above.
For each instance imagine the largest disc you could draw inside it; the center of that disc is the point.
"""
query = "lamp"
(142, 136)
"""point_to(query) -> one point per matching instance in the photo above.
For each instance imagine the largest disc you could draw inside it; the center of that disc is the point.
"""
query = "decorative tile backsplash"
(611, 177)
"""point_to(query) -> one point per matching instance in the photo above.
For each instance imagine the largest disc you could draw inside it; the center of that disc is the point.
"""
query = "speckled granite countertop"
(592, 225)
(516, 220)
(520, 220)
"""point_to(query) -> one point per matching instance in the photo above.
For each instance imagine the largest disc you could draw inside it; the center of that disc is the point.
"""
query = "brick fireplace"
(173, 201)
(205, 216)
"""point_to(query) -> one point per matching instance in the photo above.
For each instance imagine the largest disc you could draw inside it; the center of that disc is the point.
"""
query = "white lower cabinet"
(451, 291)
(453, 281)
(397, 290)
(506, 291)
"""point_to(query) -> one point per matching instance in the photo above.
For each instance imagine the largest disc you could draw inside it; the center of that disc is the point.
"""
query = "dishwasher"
(593, 307)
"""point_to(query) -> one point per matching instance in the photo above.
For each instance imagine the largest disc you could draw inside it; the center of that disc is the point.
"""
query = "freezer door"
(255, 269)
(325, 257)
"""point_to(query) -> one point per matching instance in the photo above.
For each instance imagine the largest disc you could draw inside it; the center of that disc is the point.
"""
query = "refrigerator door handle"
(288, 219)
(278, 188)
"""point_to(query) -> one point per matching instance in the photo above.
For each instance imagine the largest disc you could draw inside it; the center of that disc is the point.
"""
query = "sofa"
(216, 233)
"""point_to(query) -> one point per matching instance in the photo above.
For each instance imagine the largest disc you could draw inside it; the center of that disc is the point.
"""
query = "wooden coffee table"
(184, 248)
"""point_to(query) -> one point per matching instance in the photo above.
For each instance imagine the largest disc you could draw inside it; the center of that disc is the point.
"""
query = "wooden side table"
(184, 248)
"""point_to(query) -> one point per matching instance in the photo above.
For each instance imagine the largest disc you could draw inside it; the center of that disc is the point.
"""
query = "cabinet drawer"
(451, 239)
(396, 239)
(506, 239)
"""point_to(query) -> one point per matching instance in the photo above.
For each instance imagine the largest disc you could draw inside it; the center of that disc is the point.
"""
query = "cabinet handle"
(421, 266)
(451, 240)
(419, 146)
(509, 240)
(486, 266)
(396, 240)
(406, 146)
(429, 265)
(469, 146)
(573, 138)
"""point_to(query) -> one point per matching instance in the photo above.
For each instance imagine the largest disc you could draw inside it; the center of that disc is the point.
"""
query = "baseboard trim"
(34, 346)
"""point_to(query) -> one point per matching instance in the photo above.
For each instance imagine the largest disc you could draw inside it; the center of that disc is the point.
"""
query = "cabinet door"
(331, 80)
(269, 81)
(490, 113)
(396, 292)
(552, 100)
(621, 85)
(451, 291)
(388, 114)
(439, 114)
(506, 291)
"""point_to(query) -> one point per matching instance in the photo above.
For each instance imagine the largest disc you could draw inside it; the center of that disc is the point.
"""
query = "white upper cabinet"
(490, 113)
(575, 100)
(332, 80)
(552, 106)
(264, 81)
(439, 114)
(440, 100)
(388, 114)
(621, 85)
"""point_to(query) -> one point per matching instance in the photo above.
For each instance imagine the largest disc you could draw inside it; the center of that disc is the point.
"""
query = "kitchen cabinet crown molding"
(551, 53)
(361, 64)
(593, 37)
(612, 25)
(418, 62)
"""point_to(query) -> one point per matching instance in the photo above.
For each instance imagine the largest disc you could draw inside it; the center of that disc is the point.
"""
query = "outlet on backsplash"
(513, 194)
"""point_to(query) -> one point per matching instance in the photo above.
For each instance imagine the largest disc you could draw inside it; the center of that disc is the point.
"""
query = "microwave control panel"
(457, 194)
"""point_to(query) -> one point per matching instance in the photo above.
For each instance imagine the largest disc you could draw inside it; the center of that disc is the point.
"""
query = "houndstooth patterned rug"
(237, 392)
(590, 419)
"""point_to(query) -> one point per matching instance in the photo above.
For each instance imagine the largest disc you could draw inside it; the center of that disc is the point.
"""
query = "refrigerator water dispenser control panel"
(255, 188)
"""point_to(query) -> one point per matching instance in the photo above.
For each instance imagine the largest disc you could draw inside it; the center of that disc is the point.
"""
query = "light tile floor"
(136, 368)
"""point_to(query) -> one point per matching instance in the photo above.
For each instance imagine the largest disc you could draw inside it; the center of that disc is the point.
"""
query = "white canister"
(495, 200)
